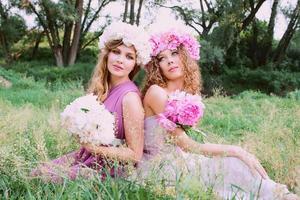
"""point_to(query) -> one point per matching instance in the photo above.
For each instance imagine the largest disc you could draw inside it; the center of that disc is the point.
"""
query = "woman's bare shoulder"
(132, 98)
(155, 99)
(155, 91)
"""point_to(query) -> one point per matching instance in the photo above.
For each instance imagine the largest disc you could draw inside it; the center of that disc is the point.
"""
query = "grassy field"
(30, 132)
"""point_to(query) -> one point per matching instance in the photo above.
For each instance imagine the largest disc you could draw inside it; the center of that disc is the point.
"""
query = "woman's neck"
(114, 81)
(173, 85)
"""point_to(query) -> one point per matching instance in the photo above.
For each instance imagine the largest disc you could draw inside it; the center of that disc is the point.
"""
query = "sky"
(165, 16)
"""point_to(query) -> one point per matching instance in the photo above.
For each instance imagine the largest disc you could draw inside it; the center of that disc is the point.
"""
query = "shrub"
(277, 82)
(50, 73)
(294, 95)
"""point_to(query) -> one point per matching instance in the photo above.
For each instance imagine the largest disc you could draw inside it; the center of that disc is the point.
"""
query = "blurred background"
(246, 45)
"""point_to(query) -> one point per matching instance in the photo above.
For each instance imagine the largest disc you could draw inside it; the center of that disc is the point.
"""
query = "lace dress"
(227, 176)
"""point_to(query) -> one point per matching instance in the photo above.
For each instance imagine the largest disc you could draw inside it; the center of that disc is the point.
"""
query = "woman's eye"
(174, 52)
(160, 59)
(115, 51)
(129, 57)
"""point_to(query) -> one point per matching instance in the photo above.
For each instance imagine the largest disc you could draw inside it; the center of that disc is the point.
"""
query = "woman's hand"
(92, 148)
(252, 162)
(77, 138)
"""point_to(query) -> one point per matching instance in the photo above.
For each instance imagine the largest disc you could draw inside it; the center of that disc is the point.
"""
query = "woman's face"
(121, 61)
(170, 64)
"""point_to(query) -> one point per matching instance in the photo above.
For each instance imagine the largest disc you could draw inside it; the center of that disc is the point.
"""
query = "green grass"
(30, 132)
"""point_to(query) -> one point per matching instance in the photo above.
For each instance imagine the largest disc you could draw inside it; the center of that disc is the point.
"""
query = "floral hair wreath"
(130, 35)
(172, 39)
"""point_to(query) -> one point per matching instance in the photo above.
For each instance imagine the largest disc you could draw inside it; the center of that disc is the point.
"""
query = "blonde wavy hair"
(192, 77)
(99, 83)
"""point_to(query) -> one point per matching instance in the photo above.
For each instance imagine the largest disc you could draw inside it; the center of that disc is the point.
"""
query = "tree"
(288, 34)
(212, 13)
(133, 18)
(90, 16)
(77, 32)
(268, 38)
(52, 17)
(69, 17)
(201, 20)
(12, 29)
(138, 15)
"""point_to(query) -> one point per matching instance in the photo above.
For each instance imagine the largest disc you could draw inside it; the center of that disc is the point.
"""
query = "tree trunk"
(3, 38)
(57, 51)
(254, 50)
(270, 33)
(86, 14)
(287, 36)
(53, 34)
(67, 41)
(125, 10)
(76, 34)
(252, 14)
(37, 44)
(6, 49)
(87, 23)
(138, 16)
(131, 15)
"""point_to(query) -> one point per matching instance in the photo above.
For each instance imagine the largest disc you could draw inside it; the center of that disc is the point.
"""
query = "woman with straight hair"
(124, 49)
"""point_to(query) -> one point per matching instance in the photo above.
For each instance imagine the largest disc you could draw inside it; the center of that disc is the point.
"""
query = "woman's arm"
(156, 99)
(187, 144)
(133, 120)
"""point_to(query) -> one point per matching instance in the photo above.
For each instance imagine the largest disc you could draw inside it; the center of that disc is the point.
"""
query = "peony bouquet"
(89, 120)
(182, 110)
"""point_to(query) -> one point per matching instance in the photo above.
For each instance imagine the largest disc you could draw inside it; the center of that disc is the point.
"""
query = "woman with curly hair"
(172, 156)
(124, 49)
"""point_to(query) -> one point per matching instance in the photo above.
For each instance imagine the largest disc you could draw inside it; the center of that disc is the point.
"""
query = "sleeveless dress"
(82, 162)
(228, 177)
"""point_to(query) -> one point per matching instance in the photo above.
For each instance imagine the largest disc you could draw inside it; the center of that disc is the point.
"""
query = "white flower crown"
(130, 35)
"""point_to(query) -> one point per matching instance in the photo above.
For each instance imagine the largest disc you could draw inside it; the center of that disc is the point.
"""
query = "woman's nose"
(170, 60)
(120, 59)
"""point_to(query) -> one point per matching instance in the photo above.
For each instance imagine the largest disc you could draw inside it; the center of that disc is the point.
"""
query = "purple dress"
(82, 162)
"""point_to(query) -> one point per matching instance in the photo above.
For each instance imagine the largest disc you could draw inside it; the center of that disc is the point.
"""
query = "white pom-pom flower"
(90, 121)
(130, 35)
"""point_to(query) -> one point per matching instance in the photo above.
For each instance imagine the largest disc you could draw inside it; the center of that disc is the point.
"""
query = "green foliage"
(277, 82)
(251, 95)
(294, 95)
(222, 36)
(89, 55)
(27, 90)
(43, 56)
(40, 71)
(236, 80)
(14, 28)
(212, 57)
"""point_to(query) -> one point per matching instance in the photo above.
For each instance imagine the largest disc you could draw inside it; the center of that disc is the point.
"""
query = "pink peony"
(181, 109)
(171, 110)
(189, 114)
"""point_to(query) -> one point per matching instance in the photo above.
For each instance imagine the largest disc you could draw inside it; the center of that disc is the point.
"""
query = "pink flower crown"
(171, 40)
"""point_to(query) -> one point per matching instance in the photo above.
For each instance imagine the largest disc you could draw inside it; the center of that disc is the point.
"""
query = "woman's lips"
(118, 67)
(172, 69)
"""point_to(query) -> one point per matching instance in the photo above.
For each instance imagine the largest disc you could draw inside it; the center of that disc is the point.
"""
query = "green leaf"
(195, 133)
(85, 110)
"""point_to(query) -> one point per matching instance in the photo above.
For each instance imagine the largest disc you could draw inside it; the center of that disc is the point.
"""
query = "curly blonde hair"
(192, 77)
(99, 83)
